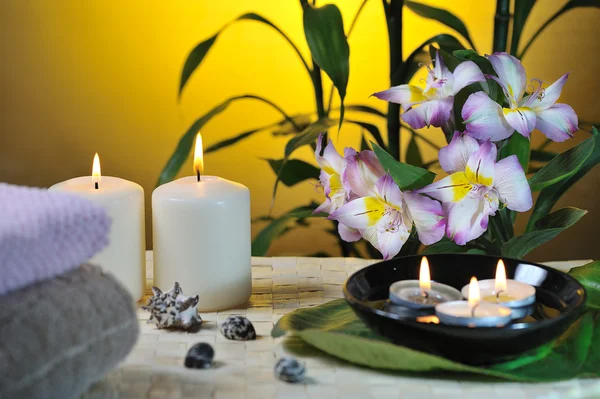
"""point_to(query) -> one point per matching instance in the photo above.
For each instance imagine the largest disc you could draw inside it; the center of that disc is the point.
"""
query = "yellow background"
(80, 76)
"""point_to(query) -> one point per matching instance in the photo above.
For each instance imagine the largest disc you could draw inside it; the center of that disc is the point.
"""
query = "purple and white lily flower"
(385, 216)
(537, 109)
(332, 166)
(477, 186)
(432, 105)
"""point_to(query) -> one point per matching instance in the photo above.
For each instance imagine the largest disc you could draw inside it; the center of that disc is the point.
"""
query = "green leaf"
(589, 276)
(519, 146)
(443, 16)
(562, 218)
(546, 229)
(522, 10)
(571, 4)
(542, 156)
(413, 154)
(230, 141)
(366, 109)
(470, 55)
(184, 146)
(374, 130)
(447, 42)
(335, 329)
(293, 171)
(308, 135)
(197, 55)
(324, 31)
(445, 246)
(407, 177)
(550, 195)
(562, 166)
(262, 241)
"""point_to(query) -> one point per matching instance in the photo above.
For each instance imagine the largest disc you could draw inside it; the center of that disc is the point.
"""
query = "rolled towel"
(59, 336)
(44, 234)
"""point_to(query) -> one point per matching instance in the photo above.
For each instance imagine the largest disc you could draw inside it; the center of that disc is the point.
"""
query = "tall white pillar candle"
(201, 230)
(123, 200)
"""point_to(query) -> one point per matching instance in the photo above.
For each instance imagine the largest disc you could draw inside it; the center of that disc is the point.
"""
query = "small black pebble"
(289, 370)
(238, 328)
(200, 356)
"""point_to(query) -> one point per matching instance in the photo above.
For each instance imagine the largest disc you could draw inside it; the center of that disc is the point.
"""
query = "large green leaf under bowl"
(335, 329)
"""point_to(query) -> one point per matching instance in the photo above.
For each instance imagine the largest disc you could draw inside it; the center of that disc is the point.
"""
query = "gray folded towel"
(59, 336)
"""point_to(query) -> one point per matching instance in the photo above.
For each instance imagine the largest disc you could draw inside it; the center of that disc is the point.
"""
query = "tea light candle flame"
(96, 174)
(500, 282)
(474, 295)
(198, 157)
(424, 277)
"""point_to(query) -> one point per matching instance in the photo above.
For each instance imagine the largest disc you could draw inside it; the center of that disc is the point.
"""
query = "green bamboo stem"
(501, 22)
(318, 84)
(393, 16)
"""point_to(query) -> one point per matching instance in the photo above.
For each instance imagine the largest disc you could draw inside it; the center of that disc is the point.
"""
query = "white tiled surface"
(154, 369)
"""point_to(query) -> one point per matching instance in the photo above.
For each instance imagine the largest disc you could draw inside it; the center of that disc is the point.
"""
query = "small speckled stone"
(238, 328)
(289, 370)
(200, 356)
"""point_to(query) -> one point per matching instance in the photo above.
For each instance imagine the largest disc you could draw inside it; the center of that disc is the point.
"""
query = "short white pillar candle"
(125, 255)
(201, 230)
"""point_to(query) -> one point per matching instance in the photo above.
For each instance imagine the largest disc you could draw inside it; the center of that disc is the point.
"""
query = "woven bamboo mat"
(154, 369)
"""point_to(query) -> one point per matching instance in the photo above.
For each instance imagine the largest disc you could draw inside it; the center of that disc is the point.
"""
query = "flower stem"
(498, 230)
(501, 20)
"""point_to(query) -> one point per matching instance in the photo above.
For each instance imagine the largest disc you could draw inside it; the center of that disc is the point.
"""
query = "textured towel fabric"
(59, 336)
(44, 234)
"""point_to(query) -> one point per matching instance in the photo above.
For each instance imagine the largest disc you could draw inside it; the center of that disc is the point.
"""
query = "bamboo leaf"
(519, 146)
(197, 55)
(550, 195)
(443, 16)
(308, 135)
(446, 42)
(522, 10)
(546, 229)
(571, 4)
(293, 171)
(324, 31)
(407, 177)
(263, 240)
(562, 166)
(374, 130)
(445, 246)
(542, 156)
(413, 153)
(184, 147)
(366, 109)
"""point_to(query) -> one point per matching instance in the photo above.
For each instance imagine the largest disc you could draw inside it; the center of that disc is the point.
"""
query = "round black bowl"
(559, 301)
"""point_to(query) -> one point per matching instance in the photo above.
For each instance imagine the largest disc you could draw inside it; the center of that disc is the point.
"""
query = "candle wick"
(96, 185)
(198, 174)
(498, 294)
(473, 309)
(424, 294)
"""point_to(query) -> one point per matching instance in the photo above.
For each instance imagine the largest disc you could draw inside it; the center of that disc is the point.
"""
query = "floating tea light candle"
(473, 313)
(422, 293)
(511, 293)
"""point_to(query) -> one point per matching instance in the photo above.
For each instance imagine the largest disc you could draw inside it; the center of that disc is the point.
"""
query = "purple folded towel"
(44, 234)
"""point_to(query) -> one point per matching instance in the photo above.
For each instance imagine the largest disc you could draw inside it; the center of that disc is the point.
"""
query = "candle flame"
(424, 278)
(198, 156)
(500, 282)
(96, 175)
(473, 292)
